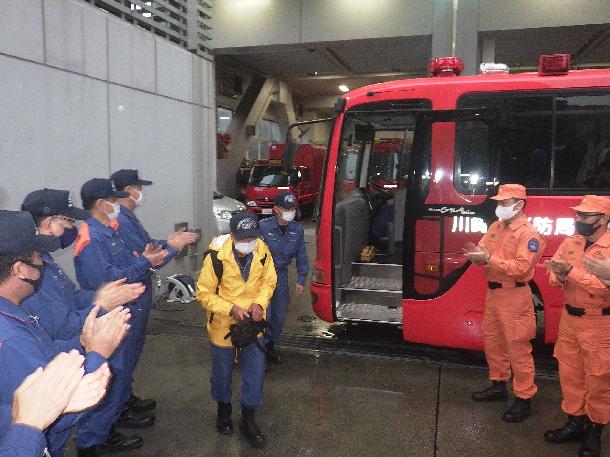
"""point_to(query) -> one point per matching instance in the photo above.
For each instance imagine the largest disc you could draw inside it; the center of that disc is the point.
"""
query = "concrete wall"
(270, 22)
(84, 94)
(267, 22)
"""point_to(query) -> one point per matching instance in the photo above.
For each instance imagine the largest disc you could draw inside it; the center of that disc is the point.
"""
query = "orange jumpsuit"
(583, 344)
(509, 322)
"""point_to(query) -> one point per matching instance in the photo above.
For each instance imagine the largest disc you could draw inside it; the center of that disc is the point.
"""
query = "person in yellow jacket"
(247, 282)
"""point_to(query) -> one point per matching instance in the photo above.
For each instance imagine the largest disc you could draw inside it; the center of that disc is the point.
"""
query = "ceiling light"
(343, 88)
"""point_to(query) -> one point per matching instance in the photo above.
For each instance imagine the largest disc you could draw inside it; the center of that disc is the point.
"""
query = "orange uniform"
(583, 344)
(509, 322)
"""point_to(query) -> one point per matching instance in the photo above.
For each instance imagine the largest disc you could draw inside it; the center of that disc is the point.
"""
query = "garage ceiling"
(316, 69)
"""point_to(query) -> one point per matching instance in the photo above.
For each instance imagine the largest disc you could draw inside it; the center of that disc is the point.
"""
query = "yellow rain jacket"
(233, 289)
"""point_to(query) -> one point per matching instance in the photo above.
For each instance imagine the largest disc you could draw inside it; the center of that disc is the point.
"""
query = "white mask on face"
(288, 215)
(140, 198)
(245, 247)
(116, 210)
(506, 212)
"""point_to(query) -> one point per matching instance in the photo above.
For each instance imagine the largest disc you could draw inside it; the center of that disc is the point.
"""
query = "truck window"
(543, 140)
(269, 177)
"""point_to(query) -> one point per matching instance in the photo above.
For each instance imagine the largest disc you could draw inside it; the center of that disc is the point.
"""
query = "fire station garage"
(317, 207)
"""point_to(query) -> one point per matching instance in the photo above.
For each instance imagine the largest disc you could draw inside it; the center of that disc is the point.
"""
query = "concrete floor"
(328, 404)
(319, 404)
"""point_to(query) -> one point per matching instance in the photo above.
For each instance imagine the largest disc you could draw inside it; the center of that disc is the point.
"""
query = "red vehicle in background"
(271, 177)
(458, 138)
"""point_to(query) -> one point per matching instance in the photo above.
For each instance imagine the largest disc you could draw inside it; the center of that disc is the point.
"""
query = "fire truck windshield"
(266, 176)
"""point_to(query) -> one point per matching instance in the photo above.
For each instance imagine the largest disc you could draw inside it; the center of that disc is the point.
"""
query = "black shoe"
(496, 392)
(117, 442)
(248, 428)
(224, 424)
(573, 430)
(592, 441)
(87, 452)
(140, 404)
(132, 419)
(272, 355)
(521, 410)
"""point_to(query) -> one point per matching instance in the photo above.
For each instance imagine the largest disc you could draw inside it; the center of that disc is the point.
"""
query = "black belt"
(580, 312)
(498, 285)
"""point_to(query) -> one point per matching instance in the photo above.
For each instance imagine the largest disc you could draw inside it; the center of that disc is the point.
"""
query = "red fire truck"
(271, 177)
(460, 137)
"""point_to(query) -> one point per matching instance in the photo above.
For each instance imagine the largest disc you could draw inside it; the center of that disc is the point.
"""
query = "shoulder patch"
(82, 240)
(533, 245)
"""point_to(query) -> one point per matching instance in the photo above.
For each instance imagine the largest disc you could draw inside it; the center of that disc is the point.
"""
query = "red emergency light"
(553, 64)
(446, 66)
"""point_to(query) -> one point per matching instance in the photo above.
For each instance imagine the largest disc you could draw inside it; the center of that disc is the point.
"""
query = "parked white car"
(224, 207)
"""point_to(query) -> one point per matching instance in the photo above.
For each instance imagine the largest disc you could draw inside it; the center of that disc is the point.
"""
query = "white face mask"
(140, 198)
(245, 247)
(116, 210)
(506, 212)
(288, 215)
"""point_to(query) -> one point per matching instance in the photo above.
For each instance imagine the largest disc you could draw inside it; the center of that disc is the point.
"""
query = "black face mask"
(36, 283)
(585, 229)
(68, 237)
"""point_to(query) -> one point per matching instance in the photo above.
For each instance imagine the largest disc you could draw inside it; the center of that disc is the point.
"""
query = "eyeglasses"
(66, 219)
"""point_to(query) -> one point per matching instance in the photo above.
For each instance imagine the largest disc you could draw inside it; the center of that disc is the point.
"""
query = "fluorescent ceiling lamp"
(343, 88)
(225, 118)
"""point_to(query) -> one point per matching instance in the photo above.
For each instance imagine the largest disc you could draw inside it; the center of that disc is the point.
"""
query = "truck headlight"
(251, 203)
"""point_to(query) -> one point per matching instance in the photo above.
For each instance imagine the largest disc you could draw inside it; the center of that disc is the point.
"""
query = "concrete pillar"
(488, 50)
(250, 111)
(442, 28)
(455, 31)
(285, 110)
(467, 35)
(204, 157)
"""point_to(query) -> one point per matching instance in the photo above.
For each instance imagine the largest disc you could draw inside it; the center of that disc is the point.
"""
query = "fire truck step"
(374, 284)
(378, 270)
(369, 312)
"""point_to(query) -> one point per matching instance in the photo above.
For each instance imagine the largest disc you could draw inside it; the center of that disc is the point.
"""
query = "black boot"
(224, 424)
(249, 429)
(272, 355)
(592, 442)
(496, 392)
(87, 451)
(573, 430)
(140, 404)
(521, 409)
(117, 442)
(132, 419)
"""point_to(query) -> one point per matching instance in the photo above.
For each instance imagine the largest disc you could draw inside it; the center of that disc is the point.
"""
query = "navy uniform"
(136, 238)
(59, 305)
(24, 345)
(100, 256)
(286, 241)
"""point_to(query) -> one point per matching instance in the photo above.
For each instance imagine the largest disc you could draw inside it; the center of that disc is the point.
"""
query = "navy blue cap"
(286, 200)
(124, 178)
(52, 202)
(244, 225)
(97, 188)
(19, 234)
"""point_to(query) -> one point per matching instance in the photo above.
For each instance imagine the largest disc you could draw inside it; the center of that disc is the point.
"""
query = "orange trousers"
(583, 352)
(509, 324)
